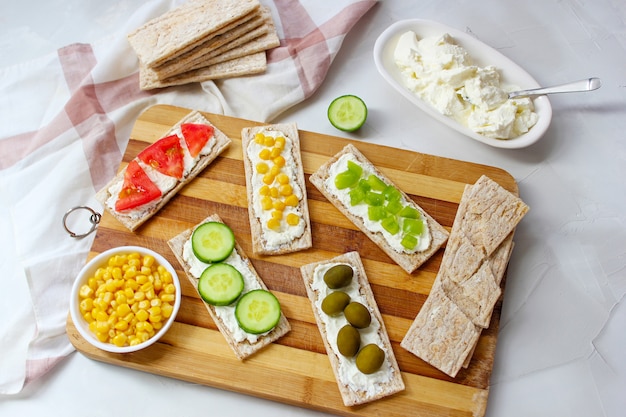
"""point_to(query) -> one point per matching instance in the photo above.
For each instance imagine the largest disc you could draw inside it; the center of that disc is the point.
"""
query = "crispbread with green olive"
(355, 388)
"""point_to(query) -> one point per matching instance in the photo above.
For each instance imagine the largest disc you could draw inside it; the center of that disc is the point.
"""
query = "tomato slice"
(166, 156)
(137, 190)
(196, 136)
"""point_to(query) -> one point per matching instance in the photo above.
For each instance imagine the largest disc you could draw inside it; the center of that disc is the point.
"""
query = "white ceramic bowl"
(483, 55)
(89, 270)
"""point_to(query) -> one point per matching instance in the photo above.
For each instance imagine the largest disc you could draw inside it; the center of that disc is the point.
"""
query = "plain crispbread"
(408, 261)
(198, 57)
(374, 391)
(245, 65)
(242, 349)
(259, 242)
(130, 222)
(183, 28)
(467, 286)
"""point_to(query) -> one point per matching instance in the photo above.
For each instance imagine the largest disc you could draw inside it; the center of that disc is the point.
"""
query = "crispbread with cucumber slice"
(407, 260)
(369, 387)
(241, 348)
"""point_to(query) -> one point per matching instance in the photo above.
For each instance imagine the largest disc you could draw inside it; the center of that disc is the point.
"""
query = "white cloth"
(65, 123)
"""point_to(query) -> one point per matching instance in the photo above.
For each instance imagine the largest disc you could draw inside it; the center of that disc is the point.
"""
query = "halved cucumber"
(347, 113)
(220, 284)
(212, 242)
(257, 311)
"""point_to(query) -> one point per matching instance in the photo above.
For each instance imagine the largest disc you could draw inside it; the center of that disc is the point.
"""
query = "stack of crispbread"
(204, 40)
(467, 287)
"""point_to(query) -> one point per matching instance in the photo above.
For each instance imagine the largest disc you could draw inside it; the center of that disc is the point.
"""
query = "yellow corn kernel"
(293, 219)
(85, 291)
(86, 305)
(275, 152)
(141, 279)
(101, 316)
(99, 274)
(122, 310)
(131, 283)
(148, 260)
(146, 287)
(170, 298)
(268, 178)
(262, 168)
(116, 273)
(166, 309)
(264, 154)
(157, 325)
(144, 304)
(170, 289)
(139, 295)
(119, 340)
(134, 341)
(130, 272)
(141, 315)
(275, 170)
(285, 190)
(282, 178)
(269, 141)
(291, 200)
(259, 138)
(279, 142)
(273, 224)
(278, 205)
(88, 317)
(150, 294)
(264, 190)
(103, 337)
(155, 302)
(277, 214)
(102, 326)
(274, 192)
(279, 161)
(164, 272)
(266, 203)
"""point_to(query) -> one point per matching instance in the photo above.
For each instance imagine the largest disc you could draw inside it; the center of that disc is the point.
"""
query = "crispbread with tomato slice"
(158, 172)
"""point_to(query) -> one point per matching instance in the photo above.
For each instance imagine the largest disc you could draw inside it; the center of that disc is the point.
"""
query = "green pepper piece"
(390, 224)
(357, 195)
(413, 226)
(376, 213)
(409, 242)
(376, 183)
(374, 199)
(409, 212)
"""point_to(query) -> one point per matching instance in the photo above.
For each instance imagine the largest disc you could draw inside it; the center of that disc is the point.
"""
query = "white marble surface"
(561, 349)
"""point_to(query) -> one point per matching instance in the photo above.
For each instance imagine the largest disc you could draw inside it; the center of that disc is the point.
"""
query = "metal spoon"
(573, 87)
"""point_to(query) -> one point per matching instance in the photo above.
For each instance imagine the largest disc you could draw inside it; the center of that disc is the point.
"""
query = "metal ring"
(94, 219)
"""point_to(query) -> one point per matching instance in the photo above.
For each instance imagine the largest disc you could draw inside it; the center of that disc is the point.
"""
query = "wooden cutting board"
(296, 370)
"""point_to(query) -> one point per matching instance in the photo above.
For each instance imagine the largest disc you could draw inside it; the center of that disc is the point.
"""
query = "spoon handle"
(576, 86)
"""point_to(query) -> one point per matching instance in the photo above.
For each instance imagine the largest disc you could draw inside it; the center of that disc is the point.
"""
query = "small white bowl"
(89, 269)
(483, 55)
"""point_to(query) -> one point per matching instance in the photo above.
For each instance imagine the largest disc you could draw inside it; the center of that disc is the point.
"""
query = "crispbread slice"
(408, 261)
(260, 244)
(441, 334)
(491, 214)
(183, 28)
(131, 222)
(195, 58)
(246, 65)
(242, 349)
(371, 391)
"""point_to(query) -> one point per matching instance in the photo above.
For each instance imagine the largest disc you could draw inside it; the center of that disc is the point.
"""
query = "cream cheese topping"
(349, 373)
(442, 74)
(360, 210)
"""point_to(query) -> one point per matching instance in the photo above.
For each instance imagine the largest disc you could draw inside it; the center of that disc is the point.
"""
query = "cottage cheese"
(442, 74)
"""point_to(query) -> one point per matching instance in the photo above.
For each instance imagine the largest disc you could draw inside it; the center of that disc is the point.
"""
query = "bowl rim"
(89, 268)
(478, 50)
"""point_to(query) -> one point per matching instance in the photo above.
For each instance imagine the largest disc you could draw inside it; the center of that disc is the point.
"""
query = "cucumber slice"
(220, 284)
(212, 242)
(347, 113)
(257, 311)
